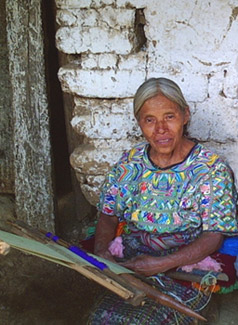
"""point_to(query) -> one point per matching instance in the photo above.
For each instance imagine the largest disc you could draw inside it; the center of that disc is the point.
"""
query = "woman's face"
(162, 123)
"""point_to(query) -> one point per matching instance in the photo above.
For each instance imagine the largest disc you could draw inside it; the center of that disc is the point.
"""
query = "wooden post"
(6, 130)
(32, 151)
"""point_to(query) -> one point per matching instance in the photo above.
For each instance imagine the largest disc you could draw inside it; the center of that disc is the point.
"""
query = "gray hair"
(155, 86)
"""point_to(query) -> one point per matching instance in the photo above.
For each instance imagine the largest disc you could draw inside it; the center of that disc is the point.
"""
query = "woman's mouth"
(163, 141)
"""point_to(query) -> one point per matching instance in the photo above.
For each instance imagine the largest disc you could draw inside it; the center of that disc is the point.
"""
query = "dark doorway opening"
(72, 209)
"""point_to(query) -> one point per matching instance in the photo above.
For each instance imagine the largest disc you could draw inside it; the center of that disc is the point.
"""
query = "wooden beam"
(32, 150)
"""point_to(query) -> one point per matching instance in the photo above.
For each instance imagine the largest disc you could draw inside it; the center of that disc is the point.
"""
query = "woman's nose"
(161, 127)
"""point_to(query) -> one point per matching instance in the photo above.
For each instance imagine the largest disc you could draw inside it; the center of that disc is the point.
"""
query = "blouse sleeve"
(108, 195)
(218, 199)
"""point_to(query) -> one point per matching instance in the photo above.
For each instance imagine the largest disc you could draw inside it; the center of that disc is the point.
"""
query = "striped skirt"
(112, 310)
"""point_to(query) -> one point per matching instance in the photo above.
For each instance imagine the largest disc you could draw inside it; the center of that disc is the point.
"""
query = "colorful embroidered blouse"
(196, 192)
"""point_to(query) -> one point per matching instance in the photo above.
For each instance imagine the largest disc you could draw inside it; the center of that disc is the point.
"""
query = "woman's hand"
(147, 265)
(104, 253)
(4, 248)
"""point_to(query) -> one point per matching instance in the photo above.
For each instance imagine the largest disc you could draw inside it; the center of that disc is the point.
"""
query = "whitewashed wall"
(191, 42)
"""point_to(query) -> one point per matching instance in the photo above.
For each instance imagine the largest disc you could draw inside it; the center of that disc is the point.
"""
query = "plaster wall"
(113, 46)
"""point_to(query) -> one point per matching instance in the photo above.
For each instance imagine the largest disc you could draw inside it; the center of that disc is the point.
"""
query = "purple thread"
(49, 235)
(88, 258)
(80, 253)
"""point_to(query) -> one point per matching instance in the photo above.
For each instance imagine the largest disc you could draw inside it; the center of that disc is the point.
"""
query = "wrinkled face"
(162, 123)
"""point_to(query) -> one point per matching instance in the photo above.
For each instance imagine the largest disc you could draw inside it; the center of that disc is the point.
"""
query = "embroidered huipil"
(196, 192)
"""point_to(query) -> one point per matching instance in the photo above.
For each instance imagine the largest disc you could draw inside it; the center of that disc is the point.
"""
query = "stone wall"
(113, 46)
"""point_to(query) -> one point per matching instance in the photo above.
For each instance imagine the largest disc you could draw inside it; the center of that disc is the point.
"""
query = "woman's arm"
(194, 252)
(105, 233)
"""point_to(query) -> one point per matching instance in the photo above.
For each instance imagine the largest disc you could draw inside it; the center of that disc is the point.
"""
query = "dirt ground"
(227, 308)
(35, 291)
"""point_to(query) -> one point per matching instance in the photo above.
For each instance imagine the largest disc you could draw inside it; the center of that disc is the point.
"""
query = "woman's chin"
(165, 148)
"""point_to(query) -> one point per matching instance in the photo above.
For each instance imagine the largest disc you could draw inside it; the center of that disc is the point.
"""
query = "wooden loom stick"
(191, 277)
(134, 289)
(104, 279)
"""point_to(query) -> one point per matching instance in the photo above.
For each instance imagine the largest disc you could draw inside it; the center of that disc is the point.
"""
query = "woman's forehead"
(159, 102)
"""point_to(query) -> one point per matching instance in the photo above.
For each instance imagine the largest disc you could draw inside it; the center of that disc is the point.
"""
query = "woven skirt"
(113, 310)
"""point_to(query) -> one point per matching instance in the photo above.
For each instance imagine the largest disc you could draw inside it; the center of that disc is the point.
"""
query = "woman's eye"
(149, 120)
(170, 117)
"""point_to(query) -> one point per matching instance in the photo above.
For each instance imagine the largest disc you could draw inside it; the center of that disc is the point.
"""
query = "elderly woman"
(172, 199)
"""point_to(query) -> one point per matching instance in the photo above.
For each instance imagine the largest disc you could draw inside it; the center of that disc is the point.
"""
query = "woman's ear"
(186, 115)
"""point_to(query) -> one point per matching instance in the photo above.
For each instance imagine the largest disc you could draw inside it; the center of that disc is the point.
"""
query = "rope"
(205, 282)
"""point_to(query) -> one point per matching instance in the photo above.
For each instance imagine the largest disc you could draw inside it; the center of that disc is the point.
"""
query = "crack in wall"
(140, 22)
(232, 18)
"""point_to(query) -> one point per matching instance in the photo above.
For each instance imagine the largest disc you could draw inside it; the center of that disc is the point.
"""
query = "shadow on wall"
(72, 208)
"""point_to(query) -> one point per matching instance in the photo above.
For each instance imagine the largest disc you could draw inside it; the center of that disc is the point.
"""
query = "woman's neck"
(174, 157)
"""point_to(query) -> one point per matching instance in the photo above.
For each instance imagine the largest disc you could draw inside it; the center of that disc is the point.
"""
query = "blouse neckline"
(178, 166)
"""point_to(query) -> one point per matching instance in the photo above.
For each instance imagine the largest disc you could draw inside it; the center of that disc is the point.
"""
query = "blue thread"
(52, 237)
(88, 258)
(49, 235)
(80, 253)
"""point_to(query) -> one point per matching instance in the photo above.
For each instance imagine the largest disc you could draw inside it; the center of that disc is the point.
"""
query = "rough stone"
(66, 18)
(95, 39)
(100, 61)
(101, 31)
(91, 161)
(208, 122)
(125, 144)
(73, 4)
(99, 3)
(91, 193)
(101, 123)
(117, 18)
(107, 17)
(134, 62)
(98, 83)
(230, 83)
(132, 3)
